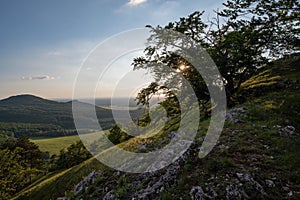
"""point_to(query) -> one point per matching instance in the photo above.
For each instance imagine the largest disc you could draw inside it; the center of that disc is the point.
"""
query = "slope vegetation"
(257, 156)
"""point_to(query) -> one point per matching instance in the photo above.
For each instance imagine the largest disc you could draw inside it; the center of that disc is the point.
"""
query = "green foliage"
(123, 188)
(66, 179)
(16, 129)
(214, 165)
(20, 161)
(12, 173)
(100, 180)
(166, 196)
(75, 154)
(117, 135)
(253, 33)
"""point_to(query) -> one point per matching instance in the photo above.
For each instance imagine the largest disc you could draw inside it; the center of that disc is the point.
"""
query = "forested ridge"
(37, 117)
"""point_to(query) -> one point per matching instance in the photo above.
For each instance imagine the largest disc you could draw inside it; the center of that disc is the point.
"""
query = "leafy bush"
(116, 135)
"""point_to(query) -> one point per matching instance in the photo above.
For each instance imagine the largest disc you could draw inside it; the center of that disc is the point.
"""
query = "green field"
(54, 145)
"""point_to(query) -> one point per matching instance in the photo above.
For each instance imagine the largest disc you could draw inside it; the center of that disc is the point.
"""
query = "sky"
(43, 44)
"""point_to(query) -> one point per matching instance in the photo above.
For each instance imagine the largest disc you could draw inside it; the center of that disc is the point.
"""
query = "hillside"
(257, 156)
(38, 117)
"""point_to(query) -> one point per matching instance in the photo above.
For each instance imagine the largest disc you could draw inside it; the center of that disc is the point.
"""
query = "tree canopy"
(20, 161)
(242, 37)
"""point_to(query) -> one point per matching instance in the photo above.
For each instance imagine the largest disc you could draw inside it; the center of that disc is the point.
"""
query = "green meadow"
(54, 145)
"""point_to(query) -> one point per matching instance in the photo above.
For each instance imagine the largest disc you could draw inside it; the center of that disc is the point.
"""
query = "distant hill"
(35, 110)
(26, 99)
(35, 116)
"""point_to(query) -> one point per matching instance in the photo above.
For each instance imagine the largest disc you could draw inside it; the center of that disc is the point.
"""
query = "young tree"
(75, 154)
(32, 155)
(117, 135)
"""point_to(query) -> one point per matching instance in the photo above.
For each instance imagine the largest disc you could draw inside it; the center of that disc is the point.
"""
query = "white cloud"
(43, 77)
(135, 2)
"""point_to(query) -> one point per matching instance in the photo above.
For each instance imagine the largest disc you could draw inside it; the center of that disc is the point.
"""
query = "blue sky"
(43, 43)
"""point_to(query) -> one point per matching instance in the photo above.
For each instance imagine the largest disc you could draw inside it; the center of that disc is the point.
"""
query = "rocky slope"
(244, 171)
(256, 157)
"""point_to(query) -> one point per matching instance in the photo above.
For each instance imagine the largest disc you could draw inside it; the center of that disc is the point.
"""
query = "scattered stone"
(235, 192)
(285, 188)
(142, 146)
(117, 173)
(248, 178)
(109, 196)
(287, 131)
(197, 193)
(222, 147)
(171, 135)
(270, 183)
(264, 127)
(161, 179)
(277, 126)
(240, 176)
(234, 115)
(88, 180)
(290, 194)
(211, 193)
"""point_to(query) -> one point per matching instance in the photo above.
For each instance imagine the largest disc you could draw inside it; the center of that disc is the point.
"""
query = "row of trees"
(242, 37)
(14, 129)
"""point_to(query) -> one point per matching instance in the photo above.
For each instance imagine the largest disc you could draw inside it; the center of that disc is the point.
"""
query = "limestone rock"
(287, 131)
(234, 115)
(109, 196)
(83, 185)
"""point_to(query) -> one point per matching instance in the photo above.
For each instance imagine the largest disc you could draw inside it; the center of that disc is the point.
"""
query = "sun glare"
(182, 68)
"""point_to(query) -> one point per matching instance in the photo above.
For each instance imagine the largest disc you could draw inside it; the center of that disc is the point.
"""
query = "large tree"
(241, 38)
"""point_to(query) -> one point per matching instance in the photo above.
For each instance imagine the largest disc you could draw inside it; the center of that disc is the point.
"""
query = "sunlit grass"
(54, 145)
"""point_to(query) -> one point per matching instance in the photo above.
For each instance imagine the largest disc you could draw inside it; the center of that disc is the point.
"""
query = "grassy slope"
(255, 146)
(244, 147)
(57, 184)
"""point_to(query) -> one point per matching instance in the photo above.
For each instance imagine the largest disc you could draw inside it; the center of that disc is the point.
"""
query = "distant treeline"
(34, 130)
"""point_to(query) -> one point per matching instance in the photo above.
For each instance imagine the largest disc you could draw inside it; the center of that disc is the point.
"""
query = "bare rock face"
(88, 180)
(287, 131)
(245, 177)
(62, 198)
(197, 193)
(159, 181)
(235, 115)
(235, 192)
(142, 147)
(270, 183)
(109, 196)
